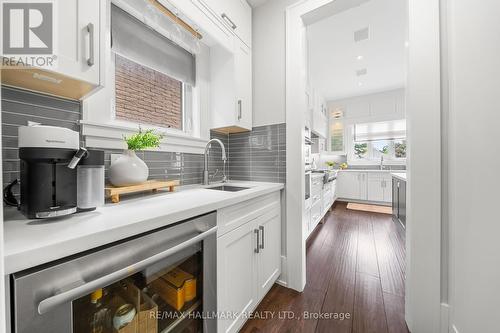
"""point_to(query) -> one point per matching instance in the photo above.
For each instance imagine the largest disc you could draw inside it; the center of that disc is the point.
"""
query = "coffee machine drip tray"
(55, 212)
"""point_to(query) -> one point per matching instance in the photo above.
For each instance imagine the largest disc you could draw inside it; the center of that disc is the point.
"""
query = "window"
(146, 96)
(372, 141)
(153, 75)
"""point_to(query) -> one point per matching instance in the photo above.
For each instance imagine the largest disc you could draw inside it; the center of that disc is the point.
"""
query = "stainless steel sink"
(228, 188)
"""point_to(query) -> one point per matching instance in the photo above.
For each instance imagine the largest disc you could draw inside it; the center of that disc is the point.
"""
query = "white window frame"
(101, 128)
(352, 160)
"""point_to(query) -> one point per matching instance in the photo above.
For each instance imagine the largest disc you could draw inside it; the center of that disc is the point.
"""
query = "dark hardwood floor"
(355, 267)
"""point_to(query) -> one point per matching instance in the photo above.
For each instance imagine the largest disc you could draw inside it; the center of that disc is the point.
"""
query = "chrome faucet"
(382, 162)
(206, 180)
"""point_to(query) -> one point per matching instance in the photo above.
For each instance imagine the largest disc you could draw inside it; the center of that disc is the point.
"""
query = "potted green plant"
(330, 164)
(128, 169)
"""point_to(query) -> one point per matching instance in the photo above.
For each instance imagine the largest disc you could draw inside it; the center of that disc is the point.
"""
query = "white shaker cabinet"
(236, 15)
(352, 185)
(231, 89)
(79, 38)
(248, 256)
(237, 275)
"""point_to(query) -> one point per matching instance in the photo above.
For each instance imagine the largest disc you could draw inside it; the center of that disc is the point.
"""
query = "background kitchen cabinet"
(379, 187)
(231, 88)
(352, 185)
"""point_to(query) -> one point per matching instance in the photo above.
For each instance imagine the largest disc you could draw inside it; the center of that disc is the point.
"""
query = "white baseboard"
(445, 318)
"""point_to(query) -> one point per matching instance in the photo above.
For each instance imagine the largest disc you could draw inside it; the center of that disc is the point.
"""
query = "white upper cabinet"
(231, 89)
(79, 39)
(383, 106)
(236, 15)
(319, 117)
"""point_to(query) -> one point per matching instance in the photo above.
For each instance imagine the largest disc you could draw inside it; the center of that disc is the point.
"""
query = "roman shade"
(386, 130)
(136, 41)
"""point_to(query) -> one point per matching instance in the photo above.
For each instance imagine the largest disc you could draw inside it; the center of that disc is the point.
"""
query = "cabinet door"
(79, 39)
(243, 77)
(387, 186)
(363, 186)
(269, 256)
(402, 203)
(236, 15)
(349, 185)
(375, 188)
(236, 275)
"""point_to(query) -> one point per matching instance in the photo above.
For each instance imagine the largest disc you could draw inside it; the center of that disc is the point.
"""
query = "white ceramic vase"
(128, 169)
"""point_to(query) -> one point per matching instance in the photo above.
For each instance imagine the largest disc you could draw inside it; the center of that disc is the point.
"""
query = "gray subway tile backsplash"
(258, 155)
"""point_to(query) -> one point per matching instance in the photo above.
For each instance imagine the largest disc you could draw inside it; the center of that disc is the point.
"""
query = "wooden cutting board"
(114, 192)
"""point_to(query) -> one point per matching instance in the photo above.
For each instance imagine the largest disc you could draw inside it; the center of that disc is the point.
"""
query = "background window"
(146, 96)
(372, 141)
(154, 77)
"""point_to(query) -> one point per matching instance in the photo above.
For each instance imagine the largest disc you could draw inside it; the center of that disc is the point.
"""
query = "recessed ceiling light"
(360, 84)
(360, 57)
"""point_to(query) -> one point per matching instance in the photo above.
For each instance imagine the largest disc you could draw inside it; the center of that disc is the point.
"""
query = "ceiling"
(335, 58)
(256, 3)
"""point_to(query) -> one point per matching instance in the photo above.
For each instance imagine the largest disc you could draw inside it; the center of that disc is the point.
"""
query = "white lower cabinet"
(352, 185)
(365, 186)
(379, 187)
(236, 275)
(248, 258)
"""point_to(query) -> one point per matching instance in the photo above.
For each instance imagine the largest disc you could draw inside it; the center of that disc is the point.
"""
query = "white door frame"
(423, 163)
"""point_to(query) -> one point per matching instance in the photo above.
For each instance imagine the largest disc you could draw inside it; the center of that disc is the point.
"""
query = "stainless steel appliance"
(131, 282)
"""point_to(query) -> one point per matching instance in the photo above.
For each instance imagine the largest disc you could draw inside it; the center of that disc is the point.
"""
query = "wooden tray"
(150, 185)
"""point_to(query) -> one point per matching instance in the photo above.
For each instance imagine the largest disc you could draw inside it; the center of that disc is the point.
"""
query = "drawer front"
(316, 215)
(234, 216)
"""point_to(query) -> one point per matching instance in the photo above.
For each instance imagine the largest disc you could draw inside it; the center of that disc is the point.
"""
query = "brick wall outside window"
(146, 96)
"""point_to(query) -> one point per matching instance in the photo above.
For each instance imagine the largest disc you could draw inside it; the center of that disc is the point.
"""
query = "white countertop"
(399, 175)
(372, 170)
(29, 243)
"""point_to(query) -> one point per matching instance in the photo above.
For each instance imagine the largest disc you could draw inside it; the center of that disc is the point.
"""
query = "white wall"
(268, 47)
(474, 71)
(423, 239)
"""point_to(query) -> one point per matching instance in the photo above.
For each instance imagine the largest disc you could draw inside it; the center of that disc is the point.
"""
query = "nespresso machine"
(49, 157)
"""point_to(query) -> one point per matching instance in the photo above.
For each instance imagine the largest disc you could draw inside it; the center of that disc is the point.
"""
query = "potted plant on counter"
(128, 169)
(330, 164)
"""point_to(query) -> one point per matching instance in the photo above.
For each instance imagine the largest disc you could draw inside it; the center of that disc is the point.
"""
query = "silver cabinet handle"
(261, 228)
(225, 17)
(90, 30)
(239, 109)
(54, 301)
(257, 248)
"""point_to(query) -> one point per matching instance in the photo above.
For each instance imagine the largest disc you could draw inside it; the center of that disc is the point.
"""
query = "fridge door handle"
(54, 301)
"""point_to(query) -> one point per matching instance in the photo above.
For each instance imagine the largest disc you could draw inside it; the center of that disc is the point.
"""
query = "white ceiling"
(333, 54)
(256, 3)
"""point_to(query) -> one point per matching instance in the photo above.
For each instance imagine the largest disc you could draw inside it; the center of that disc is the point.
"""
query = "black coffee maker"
(49, 156)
